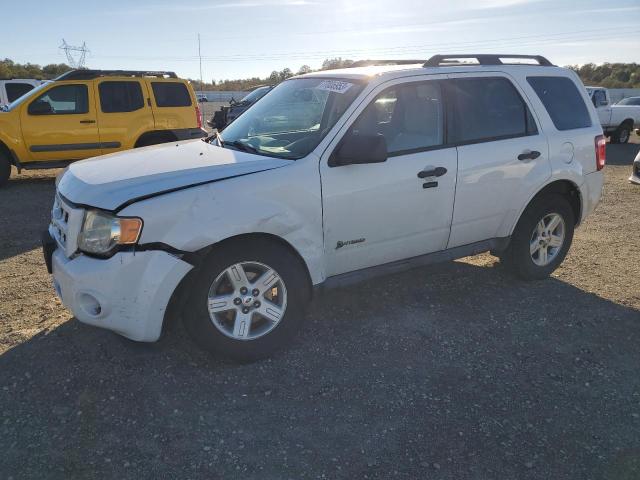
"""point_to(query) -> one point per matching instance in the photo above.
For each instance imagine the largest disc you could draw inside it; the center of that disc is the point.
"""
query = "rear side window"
(120, 96)
(171, 94)
(562, 100)
(16, 90)
(486, 109)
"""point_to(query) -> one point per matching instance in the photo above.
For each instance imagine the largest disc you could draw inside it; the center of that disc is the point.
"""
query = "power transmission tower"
(69, 50)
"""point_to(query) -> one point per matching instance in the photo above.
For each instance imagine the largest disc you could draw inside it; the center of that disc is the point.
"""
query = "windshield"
(630, 101)
(292, 120)
(257, 94)
(21, 99)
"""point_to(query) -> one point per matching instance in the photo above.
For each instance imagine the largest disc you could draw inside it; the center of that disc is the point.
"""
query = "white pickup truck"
(618, 121)
(12, 89)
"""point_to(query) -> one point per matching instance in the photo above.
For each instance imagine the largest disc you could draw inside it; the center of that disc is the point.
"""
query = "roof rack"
(91, 74)
(368, 63)
(483, 59)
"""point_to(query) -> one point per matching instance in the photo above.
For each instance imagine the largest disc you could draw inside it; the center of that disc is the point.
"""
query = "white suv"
(333, 176)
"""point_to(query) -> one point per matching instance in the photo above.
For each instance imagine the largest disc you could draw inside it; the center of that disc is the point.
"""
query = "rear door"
(61, 123)
(174, 105)
(123, 113)
(502, 155)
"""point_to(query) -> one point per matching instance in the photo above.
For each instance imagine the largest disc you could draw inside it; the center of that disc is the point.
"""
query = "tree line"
(610, 75)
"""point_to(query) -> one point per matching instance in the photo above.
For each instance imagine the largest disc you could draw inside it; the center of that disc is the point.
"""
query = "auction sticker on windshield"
(336, 86)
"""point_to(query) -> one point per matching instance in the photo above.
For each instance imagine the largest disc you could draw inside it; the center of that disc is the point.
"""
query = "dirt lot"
(452, 372)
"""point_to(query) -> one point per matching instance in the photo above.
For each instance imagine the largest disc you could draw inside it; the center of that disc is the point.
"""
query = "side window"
(120, 96)
(171, 94)
(562, 100)
(410, 117)
(599, 98)
(485, 109)
(61, 100)
(15, 90)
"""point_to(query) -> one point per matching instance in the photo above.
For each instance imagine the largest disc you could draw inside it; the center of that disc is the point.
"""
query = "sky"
(246, 38)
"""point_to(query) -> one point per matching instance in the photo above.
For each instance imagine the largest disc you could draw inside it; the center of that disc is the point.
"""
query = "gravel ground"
(457, 371)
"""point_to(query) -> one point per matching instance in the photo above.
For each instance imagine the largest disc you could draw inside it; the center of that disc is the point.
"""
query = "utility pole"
(201, 82)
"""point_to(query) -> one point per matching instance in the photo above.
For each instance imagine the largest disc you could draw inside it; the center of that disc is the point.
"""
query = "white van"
(332, 177)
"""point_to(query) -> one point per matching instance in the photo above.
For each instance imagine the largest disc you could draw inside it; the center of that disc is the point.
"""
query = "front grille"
(65, 226)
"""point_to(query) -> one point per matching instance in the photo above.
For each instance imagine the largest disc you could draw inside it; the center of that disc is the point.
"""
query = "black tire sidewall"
(5, 169)
(196, 315)
(519, 251)
(619, 137)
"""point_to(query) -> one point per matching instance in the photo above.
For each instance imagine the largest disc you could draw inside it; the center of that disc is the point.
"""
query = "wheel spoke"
(270, 311)
(534, 246)
(541, 227)
(553, 224)
(222, 303)
(542, 255)
(242, 325)
(555, 241)
(267, 280)
(237, 276)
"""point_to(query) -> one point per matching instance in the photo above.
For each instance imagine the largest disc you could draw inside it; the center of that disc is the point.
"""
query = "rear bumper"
(127, 293)
(591, 191)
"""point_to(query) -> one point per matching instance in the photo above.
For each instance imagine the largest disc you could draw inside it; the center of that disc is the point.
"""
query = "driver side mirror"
(359, 149)
(40, 108)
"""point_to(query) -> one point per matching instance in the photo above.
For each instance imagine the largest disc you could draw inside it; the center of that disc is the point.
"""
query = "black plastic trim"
(63, 147)
(357, 276)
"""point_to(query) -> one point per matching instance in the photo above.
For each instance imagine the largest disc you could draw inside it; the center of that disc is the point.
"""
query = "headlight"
(102, 233)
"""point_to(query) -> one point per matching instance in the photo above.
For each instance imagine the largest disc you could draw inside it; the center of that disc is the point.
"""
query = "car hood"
(111, 181)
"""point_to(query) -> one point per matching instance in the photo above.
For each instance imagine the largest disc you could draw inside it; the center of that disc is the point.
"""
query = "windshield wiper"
(245, 147)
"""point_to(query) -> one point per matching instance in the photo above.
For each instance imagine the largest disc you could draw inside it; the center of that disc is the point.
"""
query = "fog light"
(89, 304)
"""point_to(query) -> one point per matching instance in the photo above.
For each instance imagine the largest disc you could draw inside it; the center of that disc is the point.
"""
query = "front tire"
(247, 300)
(541, 238)
(5, 169)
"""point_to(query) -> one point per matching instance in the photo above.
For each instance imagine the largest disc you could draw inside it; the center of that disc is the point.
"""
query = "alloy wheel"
(547, 239)
(247, 300)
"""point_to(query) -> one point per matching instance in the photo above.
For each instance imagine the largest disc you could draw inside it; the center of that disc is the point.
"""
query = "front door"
(379, 213)
(61, 124)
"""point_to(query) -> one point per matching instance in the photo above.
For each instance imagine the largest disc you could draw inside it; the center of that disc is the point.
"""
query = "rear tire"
(541, 239)
(622, 134)
(223, 318)
(5, 169)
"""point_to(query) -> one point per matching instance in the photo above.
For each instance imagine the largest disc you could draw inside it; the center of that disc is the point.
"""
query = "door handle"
(87, 121)
(434, 172)
(529, 155)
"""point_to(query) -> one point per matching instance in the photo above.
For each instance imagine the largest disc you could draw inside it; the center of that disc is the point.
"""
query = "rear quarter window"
(171, 94)
(562, 100)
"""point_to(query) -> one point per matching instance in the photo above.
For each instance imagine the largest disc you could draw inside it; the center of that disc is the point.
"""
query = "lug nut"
(237, 301)
(255, 292)
(243, 290)
(256, 304)
(245, 310)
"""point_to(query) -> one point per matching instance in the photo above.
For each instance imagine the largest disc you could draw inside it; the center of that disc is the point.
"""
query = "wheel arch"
(153, 134)
(179, 296)
(566, 188)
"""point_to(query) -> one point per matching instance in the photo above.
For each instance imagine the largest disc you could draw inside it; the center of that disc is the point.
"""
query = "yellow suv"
(85, 113)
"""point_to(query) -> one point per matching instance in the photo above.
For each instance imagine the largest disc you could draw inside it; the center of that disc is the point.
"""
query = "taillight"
(601, 152)
(198, 116)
